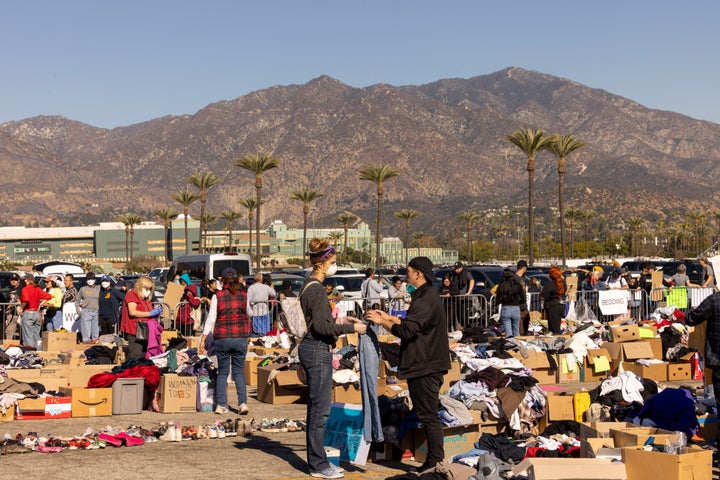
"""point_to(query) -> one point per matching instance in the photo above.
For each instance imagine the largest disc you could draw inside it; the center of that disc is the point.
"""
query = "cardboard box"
(391, 390)
(694, 465)
(44, 408)
(589, 447)
(594, 371)
(456, 440)
(560, 407)
(168, 335)
(51, 384)
(564, 373)
(351, 394)
(59, 341)
(453, 376)
(285, 387)
(89, 402)
(25, 374)
(678, 371)
(540, 365)
(177, 393)
(79, 375)
(627, 352)
(655, 371)
(570, 469)
(600, 429)
(264, 351)
(656, 347)
(624, 333)
(637, 436)
(251, 370)
(8, 415)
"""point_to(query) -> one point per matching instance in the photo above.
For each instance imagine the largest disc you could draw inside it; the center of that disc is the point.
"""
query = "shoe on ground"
(425, 466)
(220, 410)
(329, 472)
(243, 409)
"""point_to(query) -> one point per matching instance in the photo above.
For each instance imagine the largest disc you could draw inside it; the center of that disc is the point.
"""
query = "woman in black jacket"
(510, 294)
(552, 295)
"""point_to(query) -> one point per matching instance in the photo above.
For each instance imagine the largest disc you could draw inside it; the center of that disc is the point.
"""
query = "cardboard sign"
(613, 302)
(173, 294)
(344, 431)
(657, 293)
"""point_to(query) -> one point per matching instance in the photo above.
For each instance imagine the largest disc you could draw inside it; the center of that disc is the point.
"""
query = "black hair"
(509, 289)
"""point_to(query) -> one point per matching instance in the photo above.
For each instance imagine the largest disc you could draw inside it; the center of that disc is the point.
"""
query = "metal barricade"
(463, 311)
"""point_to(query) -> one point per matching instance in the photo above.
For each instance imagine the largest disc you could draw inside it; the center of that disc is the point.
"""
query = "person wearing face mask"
(137, 307)
(109, 306)
(87, 303)
(230, 326)
(424, 352)
(315, 352)
(53, 311)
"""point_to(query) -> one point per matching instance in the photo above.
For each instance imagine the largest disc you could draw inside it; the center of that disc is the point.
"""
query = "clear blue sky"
(112, 63)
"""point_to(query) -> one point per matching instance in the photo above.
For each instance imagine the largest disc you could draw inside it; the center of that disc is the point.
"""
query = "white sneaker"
(327, 473)
(243, 409)
(220, 410)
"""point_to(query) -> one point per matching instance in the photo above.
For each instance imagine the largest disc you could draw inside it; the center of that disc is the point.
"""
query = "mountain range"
(445, 137)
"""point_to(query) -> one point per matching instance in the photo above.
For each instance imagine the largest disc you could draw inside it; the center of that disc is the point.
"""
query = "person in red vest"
(32, 299)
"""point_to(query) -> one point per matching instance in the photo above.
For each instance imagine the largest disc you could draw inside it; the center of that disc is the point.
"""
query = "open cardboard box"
(624, 333)
(570, 469)
(595, 368)
(696, 464)
(637, 436)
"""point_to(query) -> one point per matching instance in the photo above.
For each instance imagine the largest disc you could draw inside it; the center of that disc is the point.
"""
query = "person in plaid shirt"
(230, 326)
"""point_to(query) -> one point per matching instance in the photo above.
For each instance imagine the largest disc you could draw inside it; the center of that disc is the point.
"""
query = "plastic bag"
(676, 443)
(581, 313)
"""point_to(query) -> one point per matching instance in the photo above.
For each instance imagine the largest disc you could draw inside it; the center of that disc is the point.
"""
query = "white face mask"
(91, 282)
(105, 284)
(332, 270)
(146, 292)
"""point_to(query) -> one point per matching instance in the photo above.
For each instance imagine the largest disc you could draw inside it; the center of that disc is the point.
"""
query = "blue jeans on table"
(230, 350)
(510, 318)
(89, 325)
(316, 358)
(31, 328)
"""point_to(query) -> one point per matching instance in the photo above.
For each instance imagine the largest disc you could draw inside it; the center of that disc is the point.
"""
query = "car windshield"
(348, 284)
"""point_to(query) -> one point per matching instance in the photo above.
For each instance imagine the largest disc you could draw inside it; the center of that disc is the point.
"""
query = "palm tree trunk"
(166, 227)
(186, 230)
(230, 247)
(250, 234)
(201, 237)
(304, 244)
(132, 240)
(127, 245)
(531, 219)
(562, 219)
(377, 226)
(587, 238)
(257, 228)
(407, 239)
(345, 246)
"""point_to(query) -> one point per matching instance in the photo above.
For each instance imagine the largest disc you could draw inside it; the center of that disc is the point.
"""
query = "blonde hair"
(143, 282)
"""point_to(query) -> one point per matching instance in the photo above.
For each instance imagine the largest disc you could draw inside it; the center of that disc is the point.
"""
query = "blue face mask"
(410, 288)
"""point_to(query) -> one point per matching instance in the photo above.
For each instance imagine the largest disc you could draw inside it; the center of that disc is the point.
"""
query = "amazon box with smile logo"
(90, 402)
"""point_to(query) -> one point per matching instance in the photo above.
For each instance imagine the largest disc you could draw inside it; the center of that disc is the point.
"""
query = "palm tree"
(167, 214)
(563, 146)
(378, 173)
(407, 214)
(469, 218)
(250, 204)
(417, 236)
(258, 163)
(636, 225)
(335, 236)
(306, 196)
(230, 216)
(130, 220)
(572, 216)
(344, 220)
(203, 181)
(206, 220)
(186, 199)
(531, 142)
(586, 215)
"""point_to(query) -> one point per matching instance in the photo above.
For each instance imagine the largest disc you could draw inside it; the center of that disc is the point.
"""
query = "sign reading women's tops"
(344, 431)
(613, 302)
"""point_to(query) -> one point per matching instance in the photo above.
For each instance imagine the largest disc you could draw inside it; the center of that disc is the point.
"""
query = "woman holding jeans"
(230, 326)
(511, 294)
(316, 357)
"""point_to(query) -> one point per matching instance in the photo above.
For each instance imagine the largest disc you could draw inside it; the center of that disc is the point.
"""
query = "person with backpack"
(315, 352)
(227, 320)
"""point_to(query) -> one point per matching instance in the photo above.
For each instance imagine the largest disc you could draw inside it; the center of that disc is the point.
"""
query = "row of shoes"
(89, 440)
(174, 432)
(275, 425)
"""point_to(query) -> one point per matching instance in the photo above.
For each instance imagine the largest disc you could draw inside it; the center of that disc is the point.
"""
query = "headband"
(323, 254)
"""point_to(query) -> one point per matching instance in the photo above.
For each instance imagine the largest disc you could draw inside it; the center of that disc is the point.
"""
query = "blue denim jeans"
(230, 350)
(316, 358)
(31, 325)
(89, 325)
(55, 322)
(510, 318)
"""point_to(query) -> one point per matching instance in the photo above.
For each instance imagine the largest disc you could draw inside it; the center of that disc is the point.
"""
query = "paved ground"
(261, 456)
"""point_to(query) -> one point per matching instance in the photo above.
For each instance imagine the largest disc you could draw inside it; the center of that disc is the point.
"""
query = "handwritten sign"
(344, 431)
(613, 302)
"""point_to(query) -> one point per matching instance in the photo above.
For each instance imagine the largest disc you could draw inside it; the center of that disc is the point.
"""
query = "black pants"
(554, 311)
(107, 325)
(134, 349)
(425, 396)
(716, 386)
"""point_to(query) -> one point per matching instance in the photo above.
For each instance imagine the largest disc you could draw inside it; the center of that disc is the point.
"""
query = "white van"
(210, 265)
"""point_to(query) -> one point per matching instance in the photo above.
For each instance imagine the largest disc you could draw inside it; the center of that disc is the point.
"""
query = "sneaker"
(220, 410)
(220, 430)
(230, 430)
(329, 472)
(243, 409)
(212, 431)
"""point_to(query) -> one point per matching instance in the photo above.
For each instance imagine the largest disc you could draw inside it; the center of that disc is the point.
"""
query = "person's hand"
(201, 348)
(360, 327)
(155, 312)
(375, 316)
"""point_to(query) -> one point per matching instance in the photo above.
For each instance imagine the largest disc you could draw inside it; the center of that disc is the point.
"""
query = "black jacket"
(424, 347)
